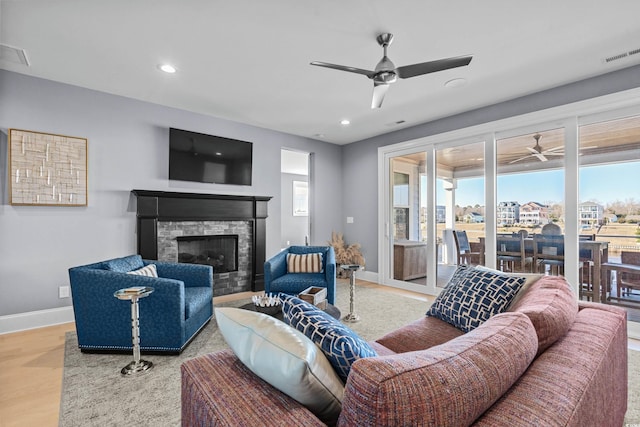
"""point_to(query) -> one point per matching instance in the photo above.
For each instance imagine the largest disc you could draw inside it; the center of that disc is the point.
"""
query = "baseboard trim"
(35, 319)
(369, 276)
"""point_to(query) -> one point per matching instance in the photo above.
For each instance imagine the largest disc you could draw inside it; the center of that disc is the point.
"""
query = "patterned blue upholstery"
(181, 304)
(473, 295)
(340, 344)
(276, 278)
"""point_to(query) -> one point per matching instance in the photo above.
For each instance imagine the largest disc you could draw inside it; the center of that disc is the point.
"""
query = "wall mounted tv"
(207, 158)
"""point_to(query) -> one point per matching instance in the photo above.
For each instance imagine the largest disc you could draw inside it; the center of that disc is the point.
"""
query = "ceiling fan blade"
(367, 73)
(379, 91)
(432, 66)
(552, 153)
(533, 150)
(552, 149)
(541, 157)
(521, 158)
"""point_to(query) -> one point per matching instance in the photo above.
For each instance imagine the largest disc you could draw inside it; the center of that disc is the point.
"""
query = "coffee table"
(331, 310)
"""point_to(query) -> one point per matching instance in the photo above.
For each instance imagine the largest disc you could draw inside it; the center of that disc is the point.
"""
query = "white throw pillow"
(285, 358)
(148, 270)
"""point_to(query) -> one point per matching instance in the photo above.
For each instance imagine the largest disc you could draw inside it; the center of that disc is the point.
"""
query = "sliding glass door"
(530, 201)
(609, 210)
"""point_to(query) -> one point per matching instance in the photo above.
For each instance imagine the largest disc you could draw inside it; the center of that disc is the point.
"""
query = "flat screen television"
(206, 158)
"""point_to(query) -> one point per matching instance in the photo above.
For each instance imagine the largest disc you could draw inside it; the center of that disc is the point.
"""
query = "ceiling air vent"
(13, 54)
(620, 56)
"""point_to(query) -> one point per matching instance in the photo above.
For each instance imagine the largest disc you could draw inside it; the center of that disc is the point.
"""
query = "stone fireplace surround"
(161, 214)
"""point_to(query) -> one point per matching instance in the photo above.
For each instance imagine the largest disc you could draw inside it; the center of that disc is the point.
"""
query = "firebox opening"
(219, 251)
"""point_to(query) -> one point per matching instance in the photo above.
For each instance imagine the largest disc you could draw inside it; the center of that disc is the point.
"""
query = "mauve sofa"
(548, 361)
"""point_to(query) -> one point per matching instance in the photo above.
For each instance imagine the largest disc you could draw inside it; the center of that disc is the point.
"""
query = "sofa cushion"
(149, 270)
(473, 295)
(195, 298)
(552, 308)
(341, 345)
(283, 357)
(447, 385)
(304, 263)
(124, 264)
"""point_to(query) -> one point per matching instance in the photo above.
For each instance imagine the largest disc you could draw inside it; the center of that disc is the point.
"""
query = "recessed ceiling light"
(345, 122)
(318, 135)
(218, 153)
(167, 68)
(456, 82)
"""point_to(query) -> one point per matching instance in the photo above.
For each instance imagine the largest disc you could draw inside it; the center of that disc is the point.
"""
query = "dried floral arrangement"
(345, 254)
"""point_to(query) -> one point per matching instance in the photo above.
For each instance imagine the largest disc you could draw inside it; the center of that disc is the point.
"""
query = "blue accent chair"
(276, 278)
(180, 305)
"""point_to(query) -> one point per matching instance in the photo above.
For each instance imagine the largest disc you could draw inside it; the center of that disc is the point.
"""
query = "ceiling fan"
(538, 152)
(386, 72)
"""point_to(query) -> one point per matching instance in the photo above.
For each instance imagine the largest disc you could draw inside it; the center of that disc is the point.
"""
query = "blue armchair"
(181, 305)
(278, 279)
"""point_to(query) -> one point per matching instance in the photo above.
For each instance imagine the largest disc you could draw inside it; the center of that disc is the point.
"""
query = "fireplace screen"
(219, 251)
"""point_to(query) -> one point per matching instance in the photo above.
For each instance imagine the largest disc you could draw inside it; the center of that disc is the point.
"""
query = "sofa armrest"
(218, 390)
(193, 275)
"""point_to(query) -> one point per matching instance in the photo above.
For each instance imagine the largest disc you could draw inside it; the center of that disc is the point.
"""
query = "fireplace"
(218, 251)
(228, 232)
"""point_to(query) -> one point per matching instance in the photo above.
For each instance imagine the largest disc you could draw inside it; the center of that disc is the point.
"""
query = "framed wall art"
(300, 198)
(47, 169)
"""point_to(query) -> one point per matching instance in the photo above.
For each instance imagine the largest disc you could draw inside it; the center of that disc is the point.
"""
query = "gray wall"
(360, 186)
(128, 149)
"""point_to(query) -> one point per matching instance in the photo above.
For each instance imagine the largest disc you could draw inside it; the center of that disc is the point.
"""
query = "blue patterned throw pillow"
(472, 296)
(124, 264)
(340, 344)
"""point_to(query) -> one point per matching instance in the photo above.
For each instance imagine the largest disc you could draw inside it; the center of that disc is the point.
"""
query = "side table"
(352, 316)
(134, 294)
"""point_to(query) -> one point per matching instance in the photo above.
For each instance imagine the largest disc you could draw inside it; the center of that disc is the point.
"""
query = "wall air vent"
(620, 56)
(13, 54)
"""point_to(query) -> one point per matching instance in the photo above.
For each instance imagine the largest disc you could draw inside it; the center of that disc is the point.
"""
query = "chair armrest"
(275, 267)
(192, 275)
(330, 275)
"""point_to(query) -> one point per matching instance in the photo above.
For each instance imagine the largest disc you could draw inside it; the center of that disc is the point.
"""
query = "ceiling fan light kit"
(386, 72)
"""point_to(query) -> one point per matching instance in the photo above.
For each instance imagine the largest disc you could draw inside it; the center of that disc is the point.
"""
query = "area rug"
(95, 394)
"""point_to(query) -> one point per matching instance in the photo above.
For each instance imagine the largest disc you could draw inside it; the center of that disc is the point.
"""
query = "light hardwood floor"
(32, 362)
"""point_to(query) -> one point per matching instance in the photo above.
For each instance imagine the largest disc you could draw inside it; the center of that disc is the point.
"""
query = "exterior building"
(591, 214)
(533, 213)
(473, 218)
(441, 213)
(508, 213)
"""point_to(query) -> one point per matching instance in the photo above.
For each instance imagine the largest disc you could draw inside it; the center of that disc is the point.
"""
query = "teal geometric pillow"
(472, 296)
(339, 344)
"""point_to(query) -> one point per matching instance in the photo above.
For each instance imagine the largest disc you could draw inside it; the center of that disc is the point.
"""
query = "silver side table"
(352, 317)
(133, 295)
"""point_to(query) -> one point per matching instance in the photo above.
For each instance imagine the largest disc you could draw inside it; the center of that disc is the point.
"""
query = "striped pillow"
(148, 270)
(304, 263)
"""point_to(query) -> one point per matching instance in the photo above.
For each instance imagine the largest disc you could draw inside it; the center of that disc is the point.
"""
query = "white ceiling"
(248, 61)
